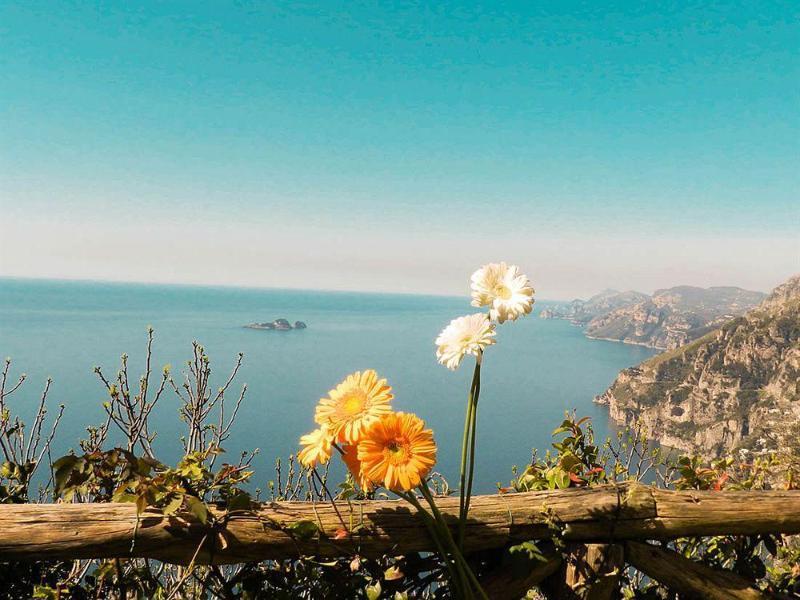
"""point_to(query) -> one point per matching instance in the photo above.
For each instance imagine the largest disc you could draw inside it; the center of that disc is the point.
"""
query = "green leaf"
(523, 557)
(529, 549)
(373, 591)
(44, 591)
(303, 530)
(568, 461)
(63, 468)
(123, 495)
(198, 508)
(566, 425)
(557, 478)
(393, 573)
(174, 504)
(240, 501)
(64, 461)
(141, 504)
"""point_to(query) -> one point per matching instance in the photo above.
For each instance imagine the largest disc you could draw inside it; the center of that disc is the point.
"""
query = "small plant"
(23, 453)
(574, 464)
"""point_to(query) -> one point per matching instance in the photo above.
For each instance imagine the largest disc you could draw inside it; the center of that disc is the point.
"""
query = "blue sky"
(393, 146)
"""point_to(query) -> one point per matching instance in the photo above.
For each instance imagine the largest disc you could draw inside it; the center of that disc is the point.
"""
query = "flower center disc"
(397, 452)
(354, 403)
(502, 291)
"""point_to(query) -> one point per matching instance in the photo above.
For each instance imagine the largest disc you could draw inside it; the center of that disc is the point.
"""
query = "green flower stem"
(457, 554)
(456, 566)
(475, 396)
(465, 487)
(465, 450)
(457, 576)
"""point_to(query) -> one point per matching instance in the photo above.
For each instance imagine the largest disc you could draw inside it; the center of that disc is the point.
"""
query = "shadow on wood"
(597, 514)
(590, 572)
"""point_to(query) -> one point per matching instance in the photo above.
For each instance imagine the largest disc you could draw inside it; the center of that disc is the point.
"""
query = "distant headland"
(666, 320)
(277, 324)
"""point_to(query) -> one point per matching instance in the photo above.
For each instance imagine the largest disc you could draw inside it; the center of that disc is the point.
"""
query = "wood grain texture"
(590, 572)
(689, 578)
(599, 514)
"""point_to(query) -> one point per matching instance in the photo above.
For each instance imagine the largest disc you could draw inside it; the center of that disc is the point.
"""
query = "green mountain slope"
(736, 387)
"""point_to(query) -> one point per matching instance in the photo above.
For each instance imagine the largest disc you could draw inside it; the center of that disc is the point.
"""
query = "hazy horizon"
(538, 297)
(397, 147)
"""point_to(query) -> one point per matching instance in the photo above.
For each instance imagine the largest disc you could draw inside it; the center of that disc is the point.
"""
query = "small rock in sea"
(277, 324)
(282, 324)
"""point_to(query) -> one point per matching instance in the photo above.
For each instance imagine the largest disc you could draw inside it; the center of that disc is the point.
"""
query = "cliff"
(736, 387)
(673, 317)
(667, 319)
(580, 312)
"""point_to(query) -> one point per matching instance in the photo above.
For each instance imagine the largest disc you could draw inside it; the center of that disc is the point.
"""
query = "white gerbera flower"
(465, 335)
(504, 289)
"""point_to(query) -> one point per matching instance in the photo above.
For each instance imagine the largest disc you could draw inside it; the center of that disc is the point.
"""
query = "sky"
(397, 146)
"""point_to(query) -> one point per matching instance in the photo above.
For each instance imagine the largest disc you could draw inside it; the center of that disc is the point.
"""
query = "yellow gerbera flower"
(317, 447)
(350, 458)
(397, 451)
(356, 403)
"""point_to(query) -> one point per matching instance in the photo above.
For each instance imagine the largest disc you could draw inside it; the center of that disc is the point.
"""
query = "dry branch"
(598, 514)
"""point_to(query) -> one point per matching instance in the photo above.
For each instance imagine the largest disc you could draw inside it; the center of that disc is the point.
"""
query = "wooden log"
(590, 572)
(597, 514)
(691, 512)
(690, 578)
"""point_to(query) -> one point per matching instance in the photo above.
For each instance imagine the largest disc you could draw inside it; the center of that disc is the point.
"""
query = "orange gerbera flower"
(350, 458)
(397, 451)
(317, 447)
(357, 402)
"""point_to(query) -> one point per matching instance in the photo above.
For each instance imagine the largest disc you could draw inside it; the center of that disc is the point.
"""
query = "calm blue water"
(538, 369)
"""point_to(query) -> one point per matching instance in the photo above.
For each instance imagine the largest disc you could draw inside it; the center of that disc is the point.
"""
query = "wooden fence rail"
(603, 514)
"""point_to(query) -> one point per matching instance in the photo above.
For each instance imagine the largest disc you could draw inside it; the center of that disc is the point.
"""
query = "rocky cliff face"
(673, 317)
(737, 387)
(581, 312)
(667, 319)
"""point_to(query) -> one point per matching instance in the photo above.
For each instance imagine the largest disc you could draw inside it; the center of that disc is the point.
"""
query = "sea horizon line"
(236, 286)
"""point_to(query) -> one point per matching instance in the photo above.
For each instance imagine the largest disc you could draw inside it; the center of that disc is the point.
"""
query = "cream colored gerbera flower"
(358, 401)
(504, 289)
(317, 448)
(464, 335)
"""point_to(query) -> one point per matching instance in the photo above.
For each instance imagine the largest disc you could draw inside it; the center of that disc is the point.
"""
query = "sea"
(537, 371)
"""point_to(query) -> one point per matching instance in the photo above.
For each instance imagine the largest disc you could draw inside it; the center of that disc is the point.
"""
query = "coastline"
(605, 339)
